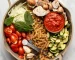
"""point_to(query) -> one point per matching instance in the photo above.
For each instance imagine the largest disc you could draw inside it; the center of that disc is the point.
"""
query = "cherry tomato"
(7, 35)
(15, 50)
(18, 33)
(20, 43)
(21, 56)
(14, 47)
(14, 38)
(54, 22)
(20, 38)
(23, 35)
(28, 37)
(12, 27)
(8, 40)
(8, 31)
(21, 51)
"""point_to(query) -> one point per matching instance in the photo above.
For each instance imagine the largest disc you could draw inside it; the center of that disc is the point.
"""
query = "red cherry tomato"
(14, 47)
(7, 31)
(20, 43)
(14, 38)
(28, 37)
(23, 35)
(21, 51)
(21, 56)
(12, 27)
(7, 35)
(8, 40)
(18, 33)
(15, 50)
(54, 22)
(20, 38)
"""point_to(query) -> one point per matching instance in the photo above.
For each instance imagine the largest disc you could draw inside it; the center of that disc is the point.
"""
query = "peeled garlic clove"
(64, 13)
(26, 49)
(55, 10)
(50, 6)
(39, 11)
(30, 55)
(60, 9)
(55, 4)
(38, 3)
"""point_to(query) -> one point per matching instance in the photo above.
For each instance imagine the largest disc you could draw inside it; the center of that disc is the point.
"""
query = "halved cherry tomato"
(20, 43)
(54, 22)
(14, 47)
(23, 35)
(7, 31)
(18, 33)
(14, 38)
(21, 51)
(21, 56)
(8, 40)
(12, 27)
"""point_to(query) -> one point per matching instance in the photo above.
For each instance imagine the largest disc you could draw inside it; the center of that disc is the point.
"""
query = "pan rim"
(62, 53)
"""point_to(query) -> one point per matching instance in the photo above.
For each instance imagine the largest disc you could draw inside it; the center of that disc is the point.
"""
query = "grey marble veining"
(69, 55)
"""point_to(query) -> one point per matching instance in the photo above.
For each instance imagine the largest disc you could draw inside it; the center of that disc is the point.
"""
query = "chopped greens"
(8, 21)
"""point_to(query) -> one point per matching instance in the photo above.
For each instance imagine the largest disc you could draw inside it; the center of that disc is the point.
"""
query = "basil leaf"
(8, 21)
(22, 27)
(28, 18)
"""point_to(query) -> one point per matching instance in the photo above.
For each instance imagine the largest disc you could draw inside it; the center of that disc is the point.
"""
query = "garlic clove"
(55, 4)
(55, 10)
(50, 6)
(38, 3)
(39, 11)
(26, 49)
(30, 55)
(60, 9)
(64, 13)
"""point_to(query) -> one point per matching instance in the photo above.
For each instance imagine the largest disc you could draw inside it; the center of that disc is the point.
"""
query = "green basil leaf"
(28, 18)
(22, 27)
(8, 21)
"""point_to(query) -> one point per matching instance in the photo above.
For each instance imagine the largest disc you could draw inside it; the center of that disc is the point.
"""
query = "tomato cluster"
(14, 39)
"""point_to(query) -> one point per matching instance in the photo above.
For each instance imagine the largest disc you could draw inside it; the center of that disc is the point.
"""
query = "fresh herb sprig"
(8, 21)
(28, 18)
(25, 26)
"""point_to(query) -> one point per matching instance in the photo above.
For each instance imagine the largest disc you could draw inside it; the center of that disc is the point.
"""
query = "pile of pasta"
(39, 36)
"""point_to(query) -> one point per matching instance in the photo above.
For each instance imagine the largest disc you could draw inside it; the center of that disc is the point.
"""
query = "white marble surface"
(69, 55)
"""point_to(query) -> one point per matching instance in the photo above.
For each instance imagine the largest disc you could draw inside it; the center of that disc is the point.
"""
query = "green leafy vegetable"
(28, 18)
(23, 27)
(8, 21)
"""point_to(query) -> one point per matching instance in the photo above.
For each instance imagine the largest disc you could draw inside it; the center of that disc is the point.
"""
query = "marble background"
(69, 55)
